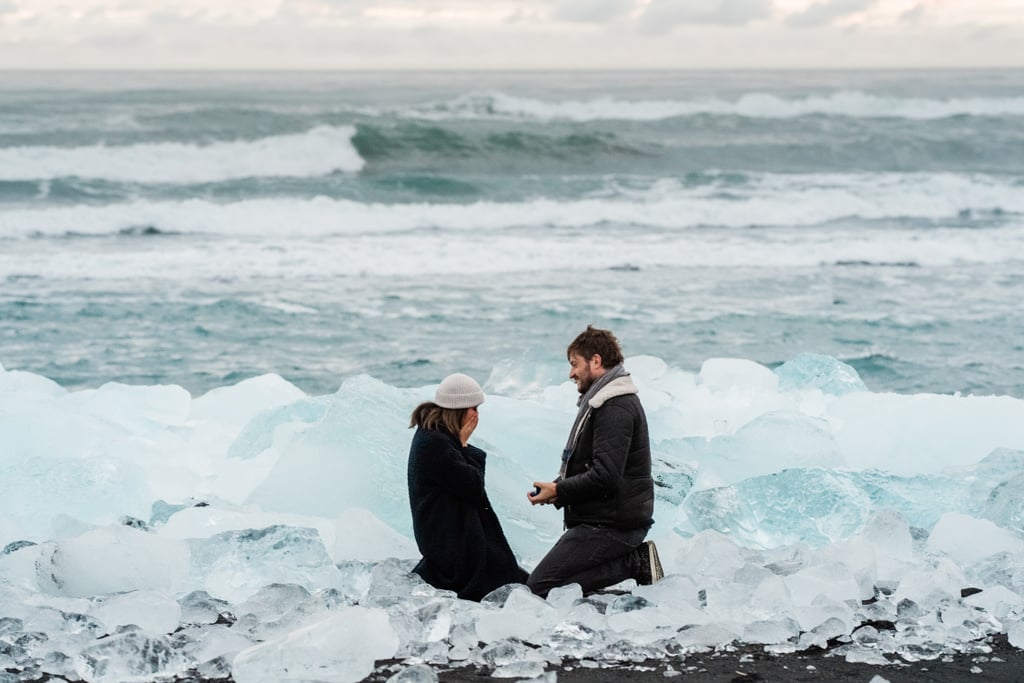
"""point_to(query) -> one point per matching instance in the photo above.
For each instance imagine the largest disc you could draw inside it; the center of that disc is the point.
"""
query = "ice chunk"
(274, 602)
(150, 611)
(766, 445)
(675, 591)
(708, 554)
(998, 601)
(573, 639)
(702, 637)
(130, 655)
(931, 586)
(520, 670)
(833, 581)
(522, 615)
(417, 673)
(361, 536)
(24, 386)
(769, 598)
(275, 426)
(506, 653)
(341, 648)
(888, 534)
(36, 489)
(342, 461)
(810, 505)
(925, 433)
(771, 631)
(1015, 634)
(736, 374)
(209, 520)
(814, 371)
(1005, 504)
(232, 407)
(968, 540)
(563, 598)
(137, 409)
(822, 632)
(110, 560)
(233, 565)
(436, 618)
(392, 582)
(199, 607)
(213, 647)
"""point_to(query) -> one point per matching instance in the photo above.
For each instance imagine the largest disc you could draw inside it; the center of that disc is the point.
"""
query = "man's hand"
(548, 493)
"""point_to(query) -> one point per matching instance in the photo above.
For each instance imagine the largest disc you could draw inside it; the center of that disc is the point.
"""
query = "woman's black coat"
(464, 549)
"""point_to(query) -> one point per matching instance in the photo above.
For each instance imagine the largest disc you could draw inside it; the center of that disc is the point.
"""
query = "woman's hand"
(469, 423)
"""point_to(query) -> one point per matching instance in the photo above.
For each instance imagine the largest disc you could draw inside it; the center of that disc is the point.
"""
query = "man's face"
(583, 371)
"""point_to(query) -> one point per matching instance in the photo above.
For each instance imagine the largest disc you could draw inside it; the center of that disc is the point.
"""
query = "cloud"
(914, 15)
(662, 16)
(591, 11)
(825, 13)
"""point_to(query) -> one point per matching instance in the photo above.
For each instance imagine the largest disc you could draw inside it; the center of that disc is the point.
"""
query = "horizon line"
(386, 69)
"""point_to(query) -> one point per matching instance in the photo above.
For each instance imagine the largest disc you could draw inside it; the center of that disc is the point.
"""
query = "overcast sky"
(509, 34)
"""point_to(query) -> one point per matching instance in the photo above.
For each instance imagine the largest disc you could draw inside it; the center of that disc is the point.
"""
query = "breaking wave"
(319, 151)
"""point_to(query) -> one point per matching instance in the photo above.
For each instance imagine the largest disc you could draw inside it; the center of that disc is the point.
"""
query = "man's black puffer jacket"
(608, 480)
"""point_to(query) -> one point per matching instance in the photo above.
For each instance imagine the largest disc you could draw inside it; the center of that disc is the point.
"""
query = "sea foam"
(767, 200)
(857, 104)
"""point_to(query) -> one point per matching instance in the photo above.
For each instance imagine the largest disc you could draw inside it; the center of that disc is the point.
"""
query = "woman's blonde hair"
(429, 415)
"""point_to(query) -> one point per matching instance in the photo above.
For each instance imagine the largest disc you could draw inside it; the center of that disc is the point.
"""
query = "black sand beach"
(1004, 664)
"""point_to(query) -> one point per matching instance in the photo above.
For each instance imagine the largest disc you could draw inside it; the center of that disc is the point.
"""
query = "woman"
(464, 549)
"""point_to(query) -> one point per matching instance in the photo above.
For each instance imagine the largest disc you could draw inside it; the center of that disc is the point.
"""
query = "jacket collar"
(620, 386)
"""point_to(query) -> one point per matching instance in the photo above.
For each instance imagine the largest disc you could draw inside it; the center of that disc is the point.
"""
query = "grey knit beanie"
(459, 391)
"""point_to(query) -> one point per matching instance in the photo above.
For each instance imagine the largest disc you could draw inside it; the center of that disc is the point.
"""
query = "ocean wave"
(409, 140)
(766, 201)
(319, 151)
(857, 104)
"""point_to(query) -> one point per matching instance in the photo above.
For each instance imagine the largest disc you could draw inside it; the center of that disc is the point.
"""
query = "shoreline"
(1003, 664)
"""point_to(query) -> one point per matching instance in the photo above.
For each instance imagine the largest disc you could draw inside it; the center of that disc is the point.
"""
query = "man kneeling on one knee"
(604, 486)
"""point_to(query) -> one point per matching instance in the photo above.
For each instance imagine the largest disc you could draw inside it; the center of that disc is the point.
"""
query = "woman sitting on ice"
(457, 531)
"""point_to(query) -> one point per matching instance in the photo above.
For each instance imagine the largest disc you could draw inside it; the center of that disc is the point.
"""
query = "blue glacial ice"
(147, 533)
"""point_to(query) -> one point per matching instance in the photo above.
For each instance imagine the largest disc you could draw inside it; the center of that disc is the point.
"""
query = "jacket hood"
(620, 386)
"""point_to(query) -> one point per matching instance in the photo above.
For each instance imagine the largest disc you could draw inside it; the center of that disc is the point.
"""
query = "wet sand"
(1005, 664)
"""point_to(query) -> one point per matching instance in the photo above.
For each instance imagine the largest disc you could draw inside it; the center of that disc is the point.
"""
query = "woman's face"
(471, 412)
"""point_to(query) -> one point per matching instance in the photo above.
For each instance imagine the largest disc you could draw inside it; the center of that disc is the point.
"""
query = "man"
(604, 486)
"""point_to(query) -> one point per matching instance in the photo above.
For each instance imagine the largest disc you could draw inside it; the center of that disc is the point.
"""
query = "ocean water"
(222, 294)
(197, 229)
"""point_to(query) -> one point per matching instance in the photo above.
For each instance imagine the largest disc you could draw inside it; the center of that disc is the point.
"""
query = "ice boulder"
(340, 648)
(131, 655)
(18, 385)
(132, 408)
(151, 611)
(232, 407)
(814, 371)
(968, 540)
(816, 506)
(353, 456)
(770, 443)
(112, 559)
(361, 536)
(234, 565)
(723, 375)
